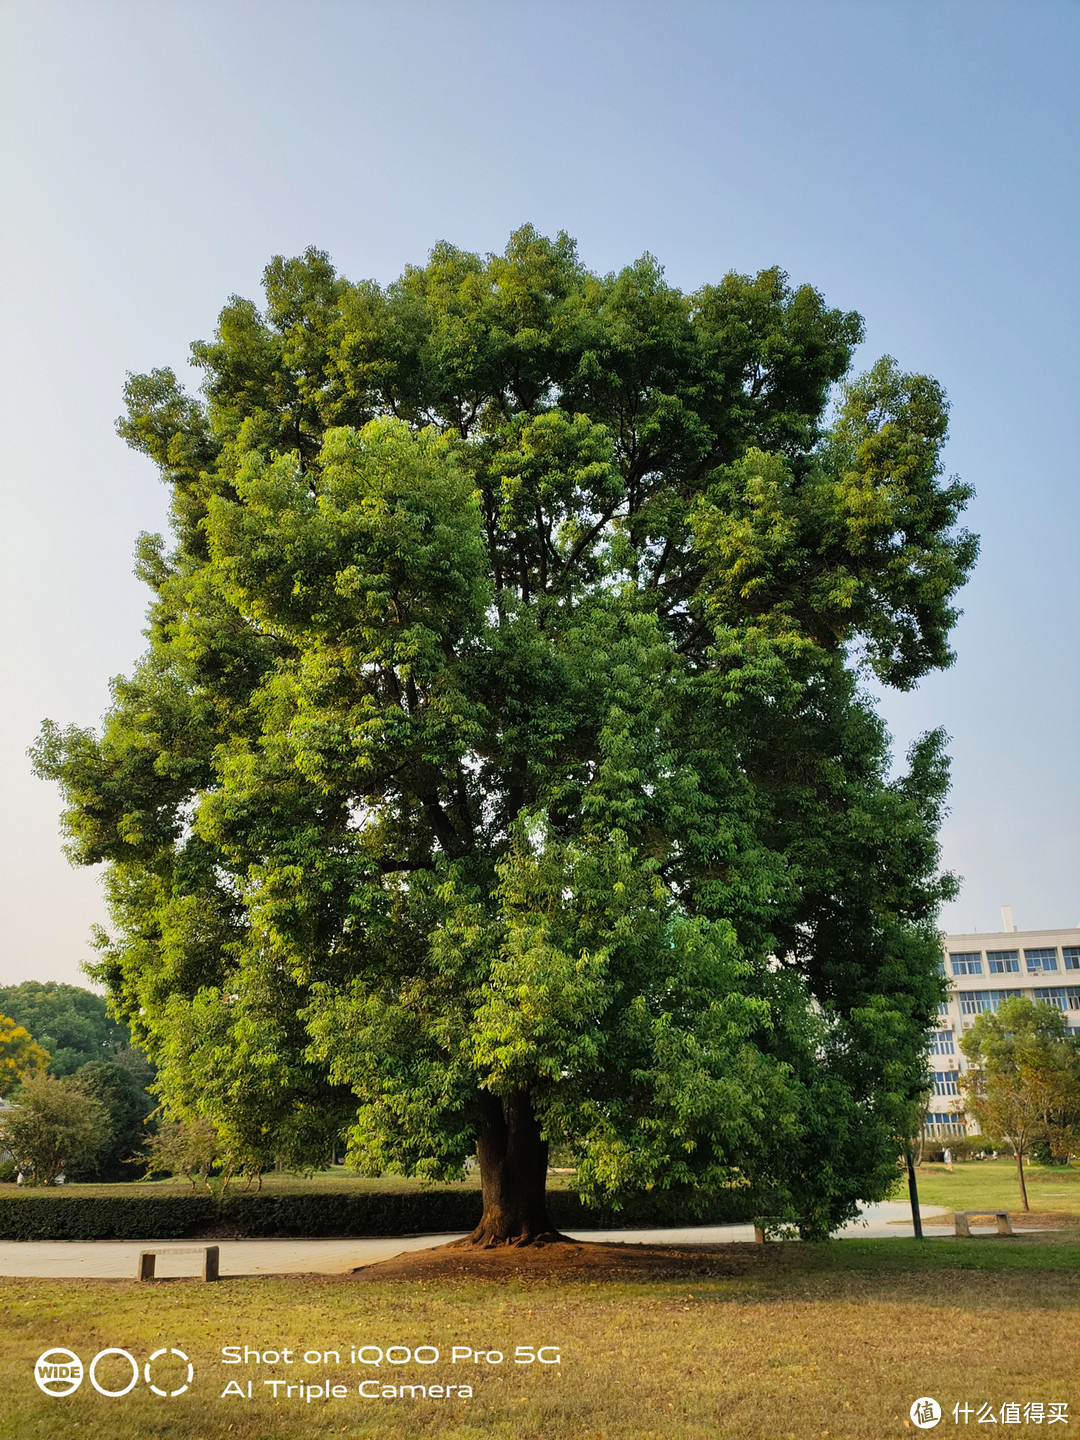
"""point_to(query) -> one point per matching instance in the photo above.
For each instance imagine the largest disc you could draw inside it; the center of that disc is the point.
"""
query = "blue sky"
(914, 161)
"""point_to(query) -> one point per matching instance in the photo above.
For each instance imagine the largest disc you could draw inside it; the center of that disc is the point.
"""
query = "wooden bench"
(148, 1259)
(962, 1221)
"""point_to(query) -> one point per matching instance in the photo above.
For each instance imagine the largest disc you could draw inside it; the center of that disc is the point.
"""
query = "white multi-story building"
(984, 970)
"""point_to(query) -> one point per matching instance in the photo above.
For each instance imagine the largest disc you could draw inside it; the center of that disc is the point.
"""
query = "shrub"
(71, 1216)
(183, 1147)
(54, 1125)
(969, 1148)
(55, 1215)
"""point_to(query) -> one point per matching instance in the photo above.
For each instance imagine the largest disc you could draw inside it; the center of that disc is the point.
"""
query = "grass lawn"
(337, 1179)
(1052, 1188)
(812, 1343)
(971, 1183)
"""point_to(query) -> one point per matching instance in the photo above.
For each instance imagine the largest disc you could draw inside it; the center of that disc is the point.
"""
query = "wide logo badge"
(58, 1372)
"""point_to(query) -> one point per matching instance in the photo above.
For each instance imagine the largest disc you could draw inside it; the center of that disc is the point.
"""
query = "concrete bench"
(962, 1220)
(148, 1259)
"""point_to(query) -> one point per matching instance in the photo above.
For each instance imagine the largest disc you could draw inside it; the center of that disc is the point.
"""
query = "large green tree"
(502, 770)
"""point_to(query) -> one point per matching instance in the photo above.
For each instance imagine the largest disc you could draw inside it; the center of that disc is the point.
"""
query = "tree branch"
(585, 542)
(443, 826)
(659, 568)
(698, 629)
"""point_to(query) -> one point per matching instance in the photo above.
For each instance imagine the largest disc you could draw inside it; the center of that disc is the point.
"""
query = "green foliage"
(127, 1106)
(183, 1147)
(66, 1215)
(961, 1148)
(502, 729)
(20, 1055)
(1023, 1082)
(54, 1124)
(61, 1215)
(72, 1023)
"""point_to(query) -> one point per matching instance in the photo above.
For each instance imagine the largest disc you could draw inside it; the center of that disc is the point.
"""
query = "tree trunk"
(1020, 1177)
(913, 1195)
(513, 1174)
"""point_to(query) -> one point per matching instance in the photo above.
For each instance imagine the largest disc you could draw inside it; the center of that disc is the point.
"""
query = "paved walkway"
(878, 1222)
(118, 1259)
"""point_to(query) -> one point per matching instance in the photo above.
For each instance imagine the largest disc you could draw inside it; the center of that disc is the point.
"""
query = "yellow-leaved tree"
(20, 1055)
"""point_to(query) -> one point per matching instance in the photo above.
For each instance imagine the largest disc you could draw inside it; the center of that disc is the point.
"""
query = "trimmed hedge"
(95, 1217)
(52, 1215)
(962, 1148)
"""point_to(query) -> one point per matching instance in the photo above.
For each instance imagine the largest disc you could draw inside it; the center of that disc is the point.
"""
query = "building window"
(941, 1041)
(943, 1008)
(1052, 995)
(1005, 962)
(974, 1002)
(967, 963)
(1040, 960)
(998, 998)
(1072, 956)
(948, 1124)
(1072, 1029)
(1074, 998)
(944, 1082)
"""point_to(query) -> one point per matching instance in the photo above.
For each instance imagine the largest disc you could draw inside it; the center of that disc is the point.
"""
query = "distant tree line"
(82, 1106)
(73, 1025)
(77, 1086)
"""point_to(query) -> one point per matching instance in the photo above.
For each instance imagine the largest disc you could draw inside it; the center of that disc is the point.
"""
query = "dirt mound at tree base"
(569, 1260)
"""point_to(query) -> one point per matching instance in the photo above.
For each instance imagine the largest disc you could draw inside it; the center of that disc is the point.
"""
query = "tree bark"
(1020, 1177)
(513, 1174)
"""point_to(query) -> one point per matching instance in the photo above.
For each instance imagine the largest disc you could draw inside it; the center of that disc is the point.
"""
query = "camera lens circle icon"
(114, 1394)
(157, 1356)
(58, 1372)
(925, 1412)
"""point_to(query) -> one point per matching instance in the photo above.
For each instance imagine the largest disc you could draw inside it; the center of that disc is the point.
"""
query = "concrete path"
(876, 1223)
(880, 1222)
(118, 1259)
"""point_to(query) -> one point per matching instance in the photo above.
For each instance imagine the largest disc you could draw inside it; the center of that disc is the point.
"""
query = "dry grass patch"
(807, 1342)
